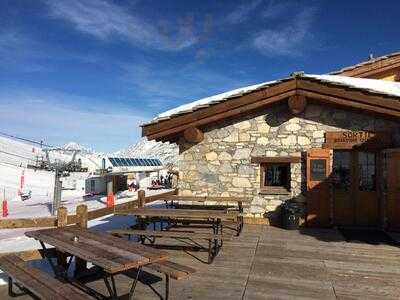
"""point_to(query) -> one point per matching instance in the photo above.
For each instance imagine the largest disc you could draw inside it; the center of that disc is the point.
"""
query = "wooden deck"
(267, 262)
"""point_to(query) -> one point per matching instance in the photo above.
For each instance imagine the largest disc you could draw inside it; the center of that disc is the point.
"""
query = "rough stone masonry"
(221, 165)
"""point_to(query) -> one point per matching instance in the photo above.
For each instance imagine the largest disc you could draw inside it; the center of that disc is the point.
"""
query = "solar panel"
(119, 162)
(134, 162)
(112, 160)
(125, 162)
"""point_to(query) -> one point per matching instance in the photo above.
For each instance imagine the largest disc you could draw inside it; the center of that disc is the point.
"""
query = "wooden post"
(62, 220)
(82, 217)
(62, 217)
(141, 203)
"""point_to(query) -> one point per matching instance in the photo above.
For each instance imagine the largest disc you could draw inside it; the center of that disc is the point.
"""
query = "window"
(92, 186)
(367, 169)
(275, 178)
(341, 170)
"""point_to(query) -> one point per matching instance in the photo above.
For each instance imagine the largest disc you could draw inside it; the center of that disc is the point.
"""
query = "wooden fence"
(63, 218)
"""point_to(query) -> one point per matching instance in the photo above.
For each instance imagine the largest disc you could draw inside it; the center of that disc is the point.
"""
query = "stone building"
(328, 141)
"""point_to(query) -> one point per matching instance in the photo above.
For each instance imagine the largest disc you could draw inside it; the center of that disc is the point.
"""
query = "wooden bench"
(215, 241)
(171, 270)
(37, 282)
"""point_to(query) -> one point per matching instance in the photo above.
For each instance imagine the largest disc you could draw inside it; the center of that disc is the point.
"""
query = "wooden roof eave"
(220, 111)
(368, 69)
(350, 97)
(326, 92)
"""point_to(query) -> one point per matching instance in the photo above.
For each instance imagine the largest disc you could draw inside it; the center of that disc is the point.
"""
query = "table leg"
(132, 290)
(58, 272)
(166, 287)
(217, 225)
(112, 289)
(10, 288)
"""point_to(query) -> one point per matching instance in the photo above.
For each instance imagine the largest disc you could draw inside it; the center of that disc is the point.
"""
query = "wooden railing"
(64, 219)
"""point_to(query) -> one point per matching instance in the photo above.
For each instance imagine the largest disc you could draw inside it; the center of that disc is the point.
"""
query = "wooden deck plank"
(39, 282)
(271, 263)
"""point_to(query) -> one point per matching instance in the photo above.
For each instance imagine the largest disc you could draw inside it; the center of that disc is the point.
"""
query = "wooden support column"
(82, 221)
(297, 104)
(193, 135)
(141, 198)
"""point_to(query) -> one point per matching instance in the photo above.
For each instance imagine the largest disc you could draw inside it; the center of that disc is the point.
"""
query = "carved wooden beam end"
(297, 104)
(193, 135)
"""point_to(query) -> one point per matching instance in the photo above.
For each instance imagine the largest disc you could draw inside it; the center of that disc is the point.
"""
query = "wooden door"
(343, 188)
(318, 187)
(393, 189)
(367, 208)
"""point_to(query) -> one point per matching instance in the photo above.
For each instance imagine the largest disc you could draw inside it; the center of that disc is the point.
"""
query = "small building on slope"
(328, 141)
(115, 171)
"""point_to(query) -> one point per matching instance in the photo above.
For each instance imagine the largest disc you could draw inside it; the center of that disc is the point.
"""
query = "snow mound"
(166, 152)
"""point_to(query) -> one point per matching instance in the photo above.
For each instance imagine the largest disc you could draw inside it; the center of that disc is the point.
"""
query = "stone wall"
(220, 165)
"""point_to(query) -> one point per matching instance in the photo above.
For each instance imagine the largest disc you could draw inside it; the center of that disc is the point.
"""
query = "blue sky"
(91, 71)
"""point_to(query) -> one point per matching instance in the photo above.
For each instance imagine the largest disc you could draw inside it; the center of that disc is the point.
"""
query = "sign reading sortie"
(352, 139)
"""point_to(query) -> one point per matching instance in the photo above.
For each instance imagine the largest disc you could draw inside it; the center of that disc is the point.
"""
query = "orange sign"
(351, 139)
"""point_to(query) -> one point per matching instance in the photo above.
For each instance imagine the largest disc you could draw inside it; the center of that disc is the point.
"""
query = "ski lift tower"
(58, 166)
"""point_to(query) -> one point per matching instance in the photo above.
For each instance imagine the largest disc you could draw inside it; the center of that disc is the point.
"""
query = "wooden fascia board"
(349, 94)
(221, 110)
(372, 68)
(348, 103)
(223, 115)
(324, 92)
(379, 70)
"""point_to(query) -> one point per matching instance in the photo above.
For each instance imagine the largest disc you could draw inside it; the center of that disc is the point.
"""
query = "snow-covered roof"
(389, 88)
(205, 102)
(382, 87)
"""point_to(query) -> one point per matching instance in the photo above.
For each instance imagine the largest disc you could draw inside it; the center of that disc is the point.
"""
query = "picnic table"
(110, 254)
(238, 200)
(222, 204)
(214, 217)
(181, 216)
